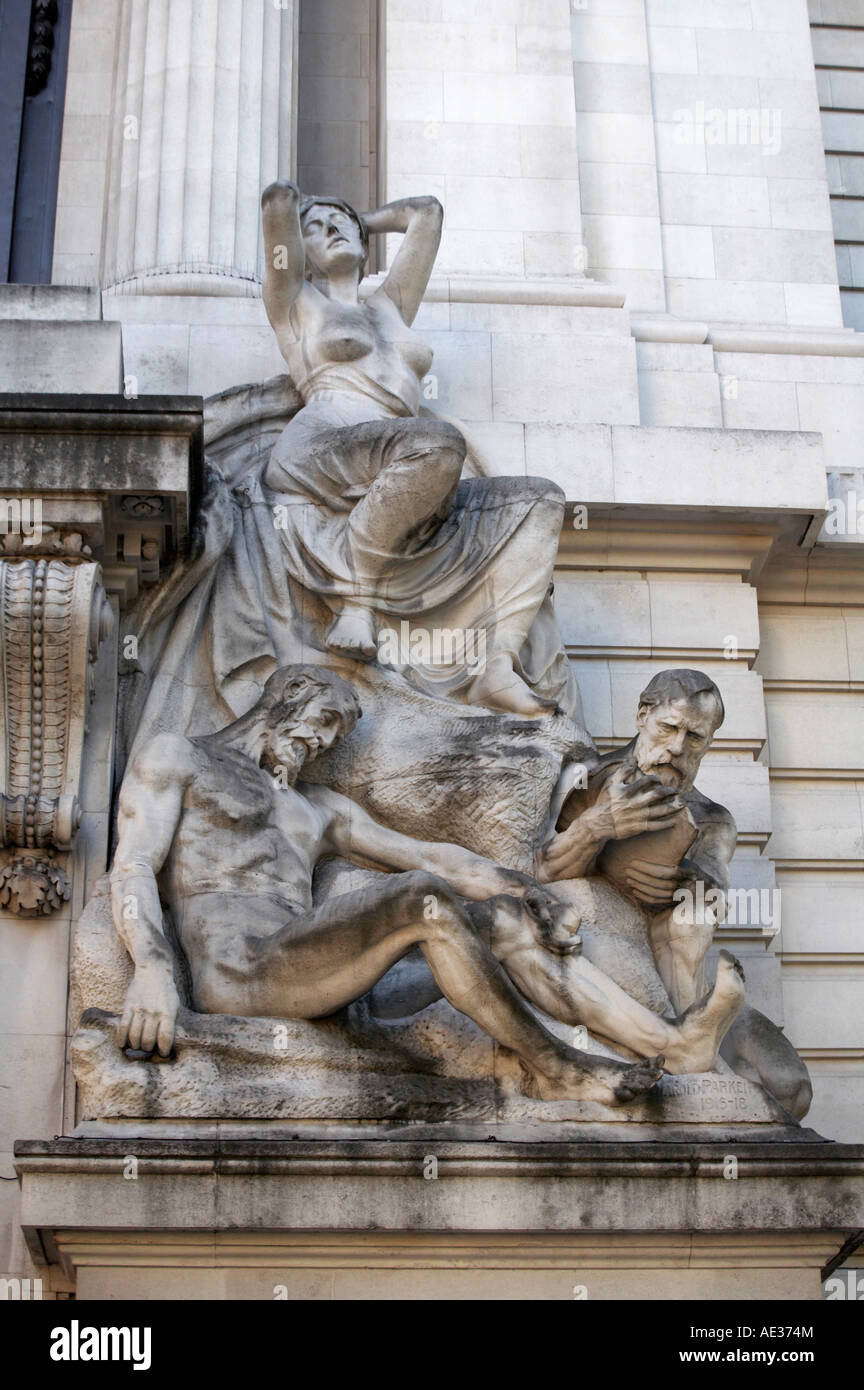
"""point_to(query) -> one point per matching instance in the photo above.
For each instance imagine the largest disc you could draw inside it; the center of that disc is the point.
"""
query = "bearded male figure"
(642, 824)
(234, 841)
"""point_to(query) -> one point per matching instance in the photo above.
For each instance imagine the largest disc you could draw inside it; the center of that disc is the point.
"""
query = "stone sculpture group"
(375, 850)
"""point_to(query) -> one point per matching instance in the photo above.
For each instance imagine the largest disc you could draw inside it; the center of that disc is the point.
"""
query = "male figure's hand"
(150, 1012)
(631, 803)
(655, 884)
(628, 804)
(558, 923)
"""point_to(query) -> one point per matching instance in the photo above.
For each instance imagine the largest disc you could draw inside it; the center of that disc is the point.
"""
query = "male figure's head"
(679, 713)
(302, 710)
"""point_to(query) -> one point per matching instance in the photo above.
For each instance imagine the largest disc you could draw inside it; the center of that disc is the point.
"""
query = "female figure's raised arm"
(421, 220)
(284, 253)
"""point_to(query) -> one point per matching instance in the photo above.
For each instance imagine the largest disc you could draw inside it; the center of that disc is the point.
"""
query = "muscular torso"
(239, 832)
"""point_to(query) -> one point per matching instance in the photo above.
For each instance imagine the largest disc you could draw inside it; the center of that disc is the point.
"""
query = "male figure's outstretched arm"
(533, 939)
(355, 835)
(151, 801)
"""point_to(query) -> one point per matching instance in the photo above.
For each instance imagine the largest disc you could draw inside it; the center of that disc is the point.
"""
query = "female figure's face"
(332, 240)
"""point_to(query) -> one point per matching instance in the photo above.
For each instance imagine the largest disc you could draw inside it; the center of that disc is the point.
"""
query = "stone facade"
(647, 291)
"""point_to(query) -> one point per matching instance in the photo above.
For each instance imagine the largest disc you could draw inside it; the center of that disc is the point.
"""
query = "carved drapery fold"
(53, 616)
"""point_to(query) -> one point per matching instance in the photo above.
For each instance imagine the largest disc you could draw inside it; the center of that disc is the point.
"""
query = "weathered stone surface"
(56, 303)
(807, 1186)
(442, 772)
(437, 1069)
(231, 1216)
(314, 544)
(39, 355)
(93, 443)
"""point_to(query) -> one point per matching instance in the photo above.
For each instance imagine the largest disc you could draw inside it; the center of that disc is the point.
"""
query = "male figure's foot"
(353, 634)
(498, 687)
(696, 1036)
(586, 1077)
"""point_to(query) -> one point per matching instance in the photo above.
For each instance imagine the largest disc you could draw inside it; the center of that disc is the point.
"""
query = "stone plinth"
(436, 1075)
(235, 1218)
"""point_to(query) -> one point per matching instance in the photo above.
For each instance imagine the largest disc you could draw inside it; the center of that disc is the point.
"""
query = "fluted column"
(205, 117)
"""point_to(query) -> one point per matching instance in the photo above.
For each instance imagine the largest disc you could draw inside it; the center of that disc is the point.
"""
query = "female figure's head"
(334, 236)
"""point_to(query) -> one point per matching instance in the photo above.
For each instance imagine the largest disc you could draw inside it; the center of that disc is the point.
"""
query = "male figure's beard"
(287, 761)
(666, 773)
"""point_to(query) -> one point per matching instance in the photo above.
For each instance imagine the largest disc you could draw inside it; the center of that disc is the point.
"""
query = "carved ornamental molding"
(53, 616)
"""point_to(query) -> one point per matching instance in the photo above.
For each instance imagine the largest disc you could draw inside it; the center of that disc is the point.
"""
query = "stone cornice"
(505, 289)
(799, 342)
(120, 475)
(380, 1250)
(661, 539)
(801, 1189)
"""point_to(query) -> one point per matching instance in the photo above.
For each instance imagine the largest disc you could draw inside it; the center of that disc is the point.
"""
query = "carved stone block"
(53, 616)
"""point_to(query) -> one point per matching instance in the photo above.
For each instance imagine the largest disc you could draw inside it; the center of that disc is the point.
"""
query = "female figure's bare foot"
(587, 1077)
(695, 1037)
(497, 686)
(352, 633)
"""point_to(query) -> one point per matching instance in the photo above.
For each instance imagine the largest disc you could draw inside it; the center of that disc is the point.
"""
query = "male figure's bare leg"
(329, 957)
(680, 948)
(568, 987)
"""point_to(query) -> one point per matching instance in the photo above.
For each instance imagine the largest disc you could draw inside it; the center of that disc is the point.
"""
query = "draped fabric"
(237, 606)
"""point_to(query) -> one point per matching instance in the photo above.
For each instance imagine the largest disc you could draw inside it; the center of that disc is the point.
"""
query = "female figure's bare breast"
(351, 349)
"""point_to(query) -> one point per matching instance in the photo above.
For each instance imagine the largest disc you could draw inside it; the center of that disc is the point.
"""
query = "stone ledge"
(798, 1186)
(37, 354)
(504, 289)
(409, 1250)
(56, 303)
(795, 341)
(258, 1219)
(107, 466)
(400, 1265)
(761, 476)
